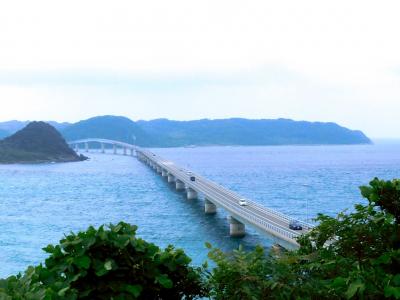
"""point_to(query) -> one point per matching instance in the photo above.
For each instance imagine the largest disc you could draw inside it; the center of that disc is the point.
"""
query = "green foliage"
(239, 275)
(353, 256)
(107, 263)
(385, 194)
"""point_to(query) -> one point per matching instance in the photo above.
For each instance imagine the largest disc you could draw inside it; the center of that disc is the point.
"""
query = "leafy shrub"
(108, 263)
(354, 255)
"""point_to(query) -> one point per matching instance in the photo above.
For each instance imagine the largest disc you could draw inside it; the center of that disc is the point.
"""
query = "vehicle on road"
(192, 178)
(243, 202)
(295, 225)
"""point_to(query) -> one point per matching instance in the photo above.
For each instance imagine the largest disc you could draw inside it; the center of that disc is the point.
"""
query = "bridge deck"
(264, 219)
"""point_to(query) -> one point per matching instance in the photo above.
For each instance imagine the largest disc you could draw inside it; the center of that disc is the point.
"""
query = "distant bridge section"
(115, 145)
(263, 219)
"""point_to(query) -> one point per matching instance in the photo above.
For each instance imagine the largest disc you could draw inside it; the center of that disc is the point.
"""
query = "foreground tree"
(107, 263)
(354, 255)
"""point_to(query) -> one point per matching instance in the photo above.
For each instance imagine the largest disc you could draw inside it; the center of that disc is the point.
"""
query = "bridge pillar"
(102, 148)
(159, 170)
(115, 148)
(191, 194)
(171, 178)
(164, 173)
(125, 151)
(180, 185)
(77, 147)
(209, 207)
(236, 228)
(132, 152)
(87, 147)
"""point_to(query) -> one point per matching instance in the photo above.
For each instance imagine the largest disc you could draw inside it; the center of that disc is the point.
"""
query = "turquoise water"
(38, 203)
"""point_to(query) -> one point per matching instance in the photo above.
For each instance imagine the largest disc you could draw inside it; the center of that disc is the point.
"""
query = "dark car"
(295, 225)
(192, 178)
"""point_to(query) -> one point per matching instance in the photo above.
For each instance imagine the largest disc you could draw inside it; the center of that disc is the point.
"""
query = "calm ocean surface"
(38, 203)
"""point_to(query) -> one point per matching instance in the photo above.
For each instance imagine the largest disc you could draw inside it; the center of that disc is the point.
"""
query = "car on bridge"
(295, 225)
(190, 174)
(243, 202)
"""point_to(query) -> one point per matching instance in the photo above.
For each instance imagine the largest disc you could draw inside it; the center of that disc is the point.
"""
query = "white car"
(242, 202)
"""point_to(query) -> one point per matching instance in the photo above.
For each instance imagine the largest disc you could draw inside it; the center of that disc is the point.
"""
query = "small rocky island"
(38, 142)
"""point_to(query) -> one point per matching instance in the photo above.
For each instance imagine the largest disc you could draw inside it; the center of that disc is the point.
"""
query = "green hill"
(250, 132)
(3, 134)
(37, 142)
(167, 133)
(109, 127)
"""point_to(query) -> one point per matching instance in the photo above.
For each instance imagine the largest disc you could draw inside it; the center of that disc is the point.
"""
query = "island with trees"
(38, 142)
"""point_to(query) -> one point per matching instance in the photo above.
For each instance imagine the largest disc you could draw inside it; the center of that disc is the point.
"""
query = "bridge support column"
(164, 173)
(171, 178)
(179, 185)
(209, 207)
(132, 152)
(87, 147)
(76, 147)
(236, 228)
(115, 148)
(125, 151)
(191, 194)
(102, 148)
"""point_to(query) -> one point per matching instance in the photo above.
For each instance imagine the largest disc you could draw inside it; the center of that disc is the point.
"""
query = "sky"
(336, 61)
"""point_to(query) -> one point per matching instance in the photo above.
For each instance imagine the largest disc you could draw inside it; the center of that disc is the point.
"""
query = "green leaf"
(164, 281)
(82, 262)
(62, 292)
(134, 290)
(355, 287)
(339, 282)
(391, 291)
(108, 265)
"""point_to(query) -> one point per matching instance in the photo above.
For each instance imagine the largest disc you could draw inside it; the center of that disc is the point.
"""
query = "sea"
(39, 204)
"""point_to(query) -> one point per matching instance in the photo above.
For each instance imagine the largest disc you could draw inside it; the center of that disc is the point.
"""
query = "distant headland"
(205, 132)
(38, 142)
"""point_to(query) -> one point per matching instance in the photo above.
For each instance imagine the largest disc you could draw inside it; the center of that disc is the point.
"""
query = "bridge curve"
(103, 142)
(261, 218)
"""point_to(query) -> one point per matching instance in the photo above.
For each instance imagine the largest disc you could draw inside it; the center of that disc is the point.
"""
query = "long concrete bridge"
(261, 218)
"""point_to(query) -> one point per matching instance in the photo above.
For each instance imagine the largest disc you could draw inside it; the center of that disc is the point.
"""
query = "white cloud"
(332, 61)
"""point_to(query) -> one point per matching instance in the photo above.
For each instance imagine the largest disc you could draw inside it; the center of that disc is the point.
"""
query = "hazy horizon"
(182, 60)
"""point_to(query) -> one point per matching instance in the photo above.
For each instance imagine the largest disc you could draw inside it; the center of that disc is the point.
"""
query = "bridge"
(263, 219)
(115, 145)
